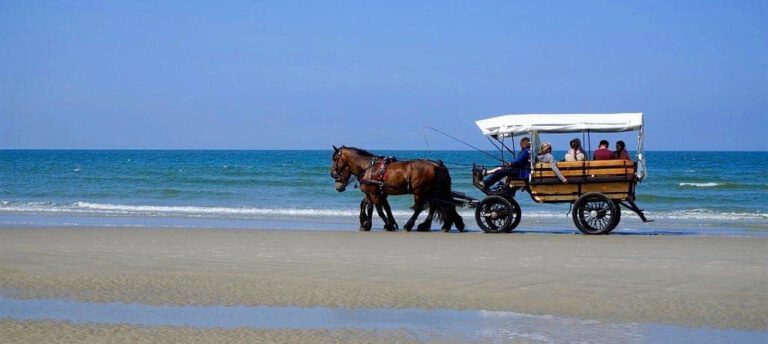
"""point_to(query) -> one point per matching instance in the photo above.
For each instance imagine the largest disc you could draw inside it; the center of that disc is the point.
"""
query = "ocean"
(699, 193)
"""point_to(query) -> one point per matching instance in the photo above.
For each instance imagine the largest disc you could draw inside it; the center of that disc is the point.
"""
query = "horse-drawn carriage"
(596, 189)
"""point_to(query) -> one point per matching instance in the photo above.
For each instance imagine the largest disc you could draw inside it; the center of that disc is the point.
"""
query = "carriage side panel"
(613, 178)
(546, 193)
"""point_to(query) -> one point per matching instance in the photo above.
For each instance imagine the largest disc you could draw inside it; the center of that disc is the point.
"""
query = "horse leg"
(391, 224)
(363, 205)
(375, 199)
(366, 210)
(382, 215)
(418, 207)
(369, 214)
(380, 211)
(426, 226)
(371, 201)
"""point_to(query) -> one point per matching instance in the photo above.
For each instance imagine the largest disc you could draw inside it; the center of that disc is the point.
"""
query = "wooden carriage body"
(614, 178)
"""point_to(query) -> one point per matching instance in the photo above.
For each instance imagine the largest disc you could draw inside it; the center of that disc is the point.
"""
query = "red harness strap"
(382, 170)
(377, 173)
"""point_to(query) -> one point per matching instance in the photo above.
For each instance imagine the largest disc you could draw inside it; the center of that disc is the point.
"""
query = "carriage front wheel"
(595, 213)
(496, 214)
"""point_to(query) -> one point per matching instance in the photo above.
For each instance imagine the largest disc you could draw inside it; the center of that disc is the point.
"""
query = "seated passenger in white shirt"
(575, 153)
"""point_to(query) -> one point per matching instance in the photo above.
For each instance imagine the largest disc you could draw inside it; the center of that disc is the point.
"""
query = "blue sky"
(305, 75)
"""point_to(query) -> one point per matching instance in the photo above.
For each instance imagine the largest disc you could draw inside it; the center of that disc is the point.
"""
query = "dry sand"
(694, 281)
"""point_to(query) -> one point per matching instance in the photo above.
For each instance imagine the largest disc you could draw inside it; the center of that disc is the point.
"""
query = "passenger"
(575, 153)
(520, 168)
(545, 156)
(603, 153)
(621, 153)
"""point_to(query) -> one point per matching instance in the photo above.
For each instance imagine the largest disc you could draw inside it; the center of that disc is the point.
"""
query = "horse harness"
(376, 172)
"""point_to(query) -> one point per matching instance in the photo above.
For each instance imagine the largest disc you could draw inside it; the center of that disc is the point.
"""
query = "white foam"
(107, 209)
(701, 185)
(705, 214)
(197, 210)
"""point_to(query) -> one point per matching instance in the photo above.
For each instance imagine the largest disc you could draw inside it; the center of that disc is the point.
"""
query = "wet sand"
(64, 332)
(718, 282)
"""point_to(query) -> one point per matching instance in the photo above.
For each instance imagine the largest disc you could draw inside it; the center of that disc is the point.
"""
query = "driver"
(519, 168)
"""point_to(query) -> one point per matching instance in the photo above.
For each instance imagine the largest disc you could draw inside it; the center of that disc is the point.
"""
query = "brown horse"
(428, 181)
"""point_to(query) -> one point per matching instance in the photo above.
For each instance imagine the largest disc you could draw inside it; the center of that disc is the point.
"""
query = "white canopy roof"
(560, 123)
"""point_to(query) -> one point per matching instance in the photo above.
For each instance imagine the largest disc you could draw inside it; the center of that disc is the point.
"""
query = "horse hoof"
(423, 228)
(445, 230)
(363, 229)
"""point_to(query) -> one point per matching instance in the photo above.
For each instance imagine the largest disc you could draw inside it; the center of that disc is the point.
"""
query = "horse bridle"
(338, 175)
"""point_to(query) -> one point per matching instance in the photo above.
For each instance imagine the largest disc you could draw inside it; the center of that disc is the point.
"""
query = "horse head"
(341, 171)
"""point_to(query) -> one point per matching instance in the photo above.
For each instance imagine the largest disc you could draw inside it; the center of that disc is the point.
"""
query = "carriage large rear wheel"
(595, 213)
(496, 214)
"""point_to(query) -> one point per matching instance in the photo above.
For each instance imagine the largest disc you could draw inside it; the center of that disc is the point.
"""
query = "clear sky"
(305, 74)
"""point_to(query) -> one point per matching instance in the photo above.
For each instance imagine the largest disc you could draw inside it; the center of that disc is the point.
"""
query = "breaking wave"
(108, 209)
(701, 185)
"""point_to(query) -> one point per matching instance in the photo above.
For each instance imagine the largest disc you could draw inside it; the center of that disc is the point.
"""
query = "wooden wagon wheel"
(496, 214)
(595, 213)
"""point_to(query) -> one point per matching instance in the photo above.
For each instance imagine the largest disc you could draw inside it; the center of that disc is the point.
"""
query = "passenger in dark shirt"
(520, 168)
(603, 153)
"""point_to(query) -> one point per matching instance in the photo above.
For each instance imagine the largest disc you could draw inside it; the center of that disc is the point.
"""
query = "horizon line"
(296, 150)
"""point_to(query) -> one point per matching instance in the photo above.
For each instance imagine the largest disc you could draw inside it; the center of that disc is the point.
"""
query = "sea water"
(685, 192)
(471, 326)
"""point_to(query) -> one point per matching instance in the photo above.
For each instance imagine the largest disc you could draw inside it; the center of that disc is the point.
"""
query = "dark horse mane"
(365, 152)
(359, 151)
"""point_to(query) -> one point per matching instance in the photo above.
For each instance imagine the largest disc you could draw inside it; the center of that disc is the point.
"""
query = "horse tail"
(446, 213)
(445, 210)
(457, 220)
(442, 212)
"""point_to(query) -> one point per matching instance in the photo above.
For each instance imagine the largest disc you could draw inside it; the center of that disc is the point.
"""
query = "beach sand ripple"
(693, 281)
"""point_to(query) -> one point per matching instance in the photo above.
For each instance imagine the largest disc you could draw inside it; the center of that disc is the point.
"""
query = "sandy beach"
(697, 281)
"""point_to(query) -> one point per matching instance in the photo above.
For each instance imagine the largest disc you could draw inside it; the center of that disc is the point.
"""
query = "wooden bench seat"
(586, 169)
